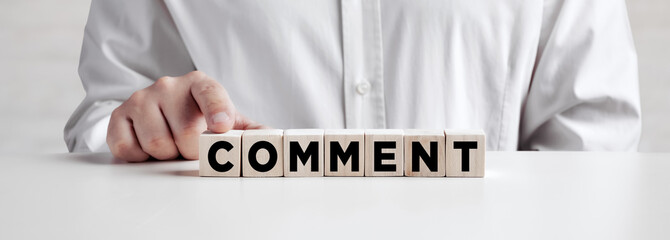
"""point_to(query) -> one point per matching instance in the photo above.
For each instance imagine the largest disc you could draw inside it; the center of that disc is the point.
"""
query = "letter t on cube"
(466, 153)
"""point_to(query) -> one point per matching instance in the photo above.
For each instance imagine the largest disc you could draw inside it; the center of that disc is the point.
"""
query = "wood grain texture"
(303, 148)
(432, 144)
(344, 140)
(223, 156)
(272, 136)
(376, 138)
(477, 157)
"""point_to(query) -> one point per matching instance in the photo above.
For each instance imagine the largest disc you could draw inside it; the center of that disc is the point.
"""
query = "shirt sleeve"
(127, 45)
(584, 91)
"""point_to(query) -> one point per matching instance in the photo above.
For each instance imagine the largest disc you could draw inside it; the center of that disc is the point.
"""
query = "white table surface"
(526, 195)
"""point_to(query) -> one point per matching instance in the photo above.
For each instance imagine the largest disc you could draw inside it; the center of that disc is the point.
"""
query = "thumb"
(215, 104)
(221, 121)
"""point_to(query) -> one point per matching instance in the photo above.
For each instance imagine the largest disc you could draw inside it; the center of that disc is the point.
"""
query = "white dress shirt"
(547, 75)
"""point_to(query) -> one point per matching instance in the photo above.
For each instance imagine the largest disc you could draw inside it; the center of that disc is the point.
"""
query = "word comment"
(343, 153)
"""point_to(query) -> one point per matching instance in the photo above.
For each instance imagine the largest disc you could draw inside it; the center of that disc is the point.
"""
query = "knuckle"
(137, 105)
(187, 139)
(164, 84)
(207, 87)
(134, 111)
(110, 138)
(198, 75)
(157, 143)
(191, 132)
(161, 148)
(137, 97)
(121, 147)
(117, 114)
(190, 154)
(124, 150)
(111, 144)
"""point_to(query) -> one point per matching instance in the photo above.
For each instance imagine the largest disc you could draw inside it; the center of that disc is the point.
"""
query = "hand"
(165, 119)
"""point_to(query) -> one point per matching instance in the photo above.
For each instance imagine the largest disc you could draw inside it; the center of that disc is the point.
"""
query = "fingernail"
(221, 117)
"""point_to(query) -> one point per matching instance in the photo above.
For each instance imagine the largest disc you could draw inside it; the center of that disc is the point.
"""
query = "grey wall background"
(40, 41)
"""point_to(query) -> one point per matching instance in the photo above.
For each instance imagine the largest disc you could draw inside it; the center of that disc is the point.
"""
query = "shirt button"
(363, 87)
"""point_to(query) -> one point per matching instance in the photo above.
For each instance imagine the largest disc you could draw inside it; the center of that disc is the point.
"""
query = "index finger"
(214, 103)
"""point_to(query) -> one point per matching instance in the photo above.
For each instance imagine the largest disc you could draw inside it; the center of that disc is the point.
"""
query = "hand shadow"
(96, 158)
(109, 159)
(184, 173)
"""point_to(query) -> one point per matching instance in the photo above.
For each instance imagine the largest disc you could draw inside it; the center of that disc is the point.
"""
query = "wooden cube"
(303, 153)
(262, 153)
(383, 152)
(345, 152)
(424, 153)
(220, 154)
(466, 153)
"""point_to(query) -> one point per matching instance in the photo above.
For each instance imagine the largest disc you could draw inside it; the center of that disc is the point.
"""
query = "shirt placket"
(363, 64)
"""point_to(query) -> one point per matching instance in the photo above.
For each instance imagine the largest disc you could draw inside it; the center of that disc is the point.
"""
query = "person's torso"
(369, 64)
